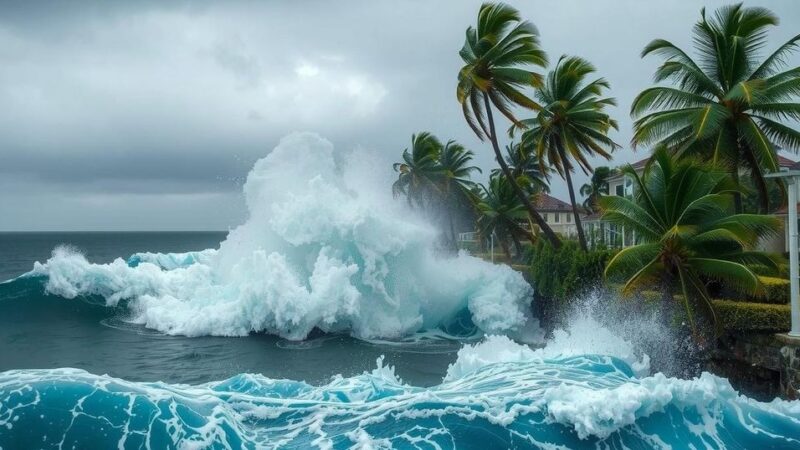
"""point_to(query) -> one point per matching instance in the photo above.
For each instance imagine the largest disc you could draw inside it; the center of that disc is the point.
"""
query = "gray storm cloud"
(121, 115)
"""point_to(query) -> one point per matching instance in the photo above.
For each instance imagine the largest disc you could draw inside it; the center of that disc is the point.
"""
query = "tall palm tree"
(680, 212)
(500, 212)
(595, 188)
(455, 183)
(525, 169)
(497, 56)
(572, 124)
(420, 172)
(724, 105)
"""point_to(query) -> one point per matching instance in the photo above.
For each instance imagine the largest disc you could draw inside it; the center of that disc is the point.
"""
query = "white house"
(599, 231)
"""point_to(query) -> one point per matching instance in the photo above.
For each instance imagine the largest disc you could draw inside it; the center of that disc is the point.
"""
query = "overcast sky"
(147, 116)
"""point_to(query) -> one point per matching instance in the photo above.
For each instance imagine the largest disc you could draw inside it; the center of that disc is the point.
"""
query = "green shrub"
(744, 316)
(777, 290)
(567, 272)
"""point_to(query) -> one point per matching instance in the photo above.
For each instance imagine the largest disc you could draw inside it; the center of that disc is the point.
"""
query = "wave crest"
(321, 249)
(588, 401)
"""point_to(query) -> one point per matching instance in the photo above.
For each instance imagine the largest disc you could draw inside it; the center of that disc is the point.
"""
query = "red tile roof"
(785, 162)
(548, 203)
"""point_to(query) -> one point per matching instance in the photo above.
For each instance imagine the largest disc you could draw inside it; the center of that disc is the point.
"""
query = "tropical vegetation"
(498, 56)
(716, 120)
(596, 188)
(436, 178)
(500, 213)
(571, 126)
(727, 105)
(687, 235)
(525, 170)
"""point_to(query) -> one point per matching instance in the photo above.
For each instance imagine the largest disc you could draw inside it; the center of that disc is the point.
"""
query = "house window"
(620, 190)
(569, 218)
(557, 217)
(628, 186)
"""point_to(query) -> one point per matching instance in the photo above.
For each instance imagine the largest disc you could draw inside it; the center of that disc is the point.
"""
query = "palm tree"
(595, 188)
(572, 124)
(419, 173)
(680, 212)
(455, 183)
(525, 169)
(725, 105)
(497, 54)
(500, 212)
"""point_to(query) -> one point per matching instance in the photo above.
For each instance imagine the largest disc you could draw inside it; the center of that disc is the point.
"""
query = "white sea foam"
(323, 247)
(597, 406)
(583, 336)
(173, 260)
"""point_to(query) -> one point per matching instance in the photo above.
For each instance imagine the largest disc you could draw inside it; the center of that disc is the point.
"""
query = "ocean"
(39, 331)
(329, 320)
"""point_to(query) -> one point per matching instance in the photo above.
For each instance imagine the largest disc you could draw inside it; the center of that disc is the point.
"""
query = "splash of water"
(324, 247)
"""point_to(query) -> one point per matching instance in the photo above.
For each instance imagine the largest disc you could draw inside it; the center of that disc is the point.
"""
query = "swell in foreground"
(498, 394)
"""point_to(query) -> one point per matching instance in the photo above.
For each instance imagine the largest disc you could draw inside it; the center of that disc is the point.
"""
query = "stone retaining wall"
(762, 365)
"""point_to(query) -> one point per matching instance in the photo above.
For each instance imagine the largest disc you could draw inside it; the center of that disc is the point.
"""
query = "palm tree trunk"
(578, 225)
(517, 245)
(761, 184)
(737, 196)
(506, 250)
(548, 232)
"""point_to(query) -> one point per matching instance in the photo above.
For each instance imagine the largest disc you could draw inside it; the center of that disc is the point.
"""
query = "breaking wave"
(324, 247)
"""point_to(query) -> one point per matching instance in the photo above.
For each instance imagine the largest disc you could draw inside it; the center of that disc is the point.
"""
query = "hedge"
(736, 315)
(567, 272)
(745, 316)
(777, 290)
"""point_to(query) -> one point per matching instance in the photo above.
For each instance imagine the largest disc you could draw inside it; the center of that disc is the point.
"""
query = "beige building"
(558, 214)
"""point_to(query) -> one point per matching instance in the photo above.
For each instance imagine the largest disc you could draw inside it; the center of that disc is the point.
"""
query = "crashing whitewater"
(324, 248)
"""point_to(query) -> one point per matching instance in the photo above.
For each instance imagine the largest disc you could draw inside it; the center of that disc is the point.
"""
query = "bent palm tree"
(500, 212)
(525, 169)
(419, 173)
(572, 125)
(725, 106)
(497, 54)
(680, 212)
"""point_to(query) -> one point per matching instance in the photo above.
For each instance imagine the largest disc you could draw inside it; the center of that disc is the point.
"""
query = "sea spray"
(323, 247)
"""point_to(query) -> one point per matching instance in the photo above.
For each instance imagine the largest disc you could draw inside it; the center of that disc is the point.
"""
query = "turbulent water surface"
(326, 320)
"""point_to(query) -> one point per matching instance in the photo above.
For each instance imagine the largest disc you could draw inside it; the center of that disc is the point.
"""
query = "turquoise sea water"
(42, 331)
(328, 319)
(77, 374)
